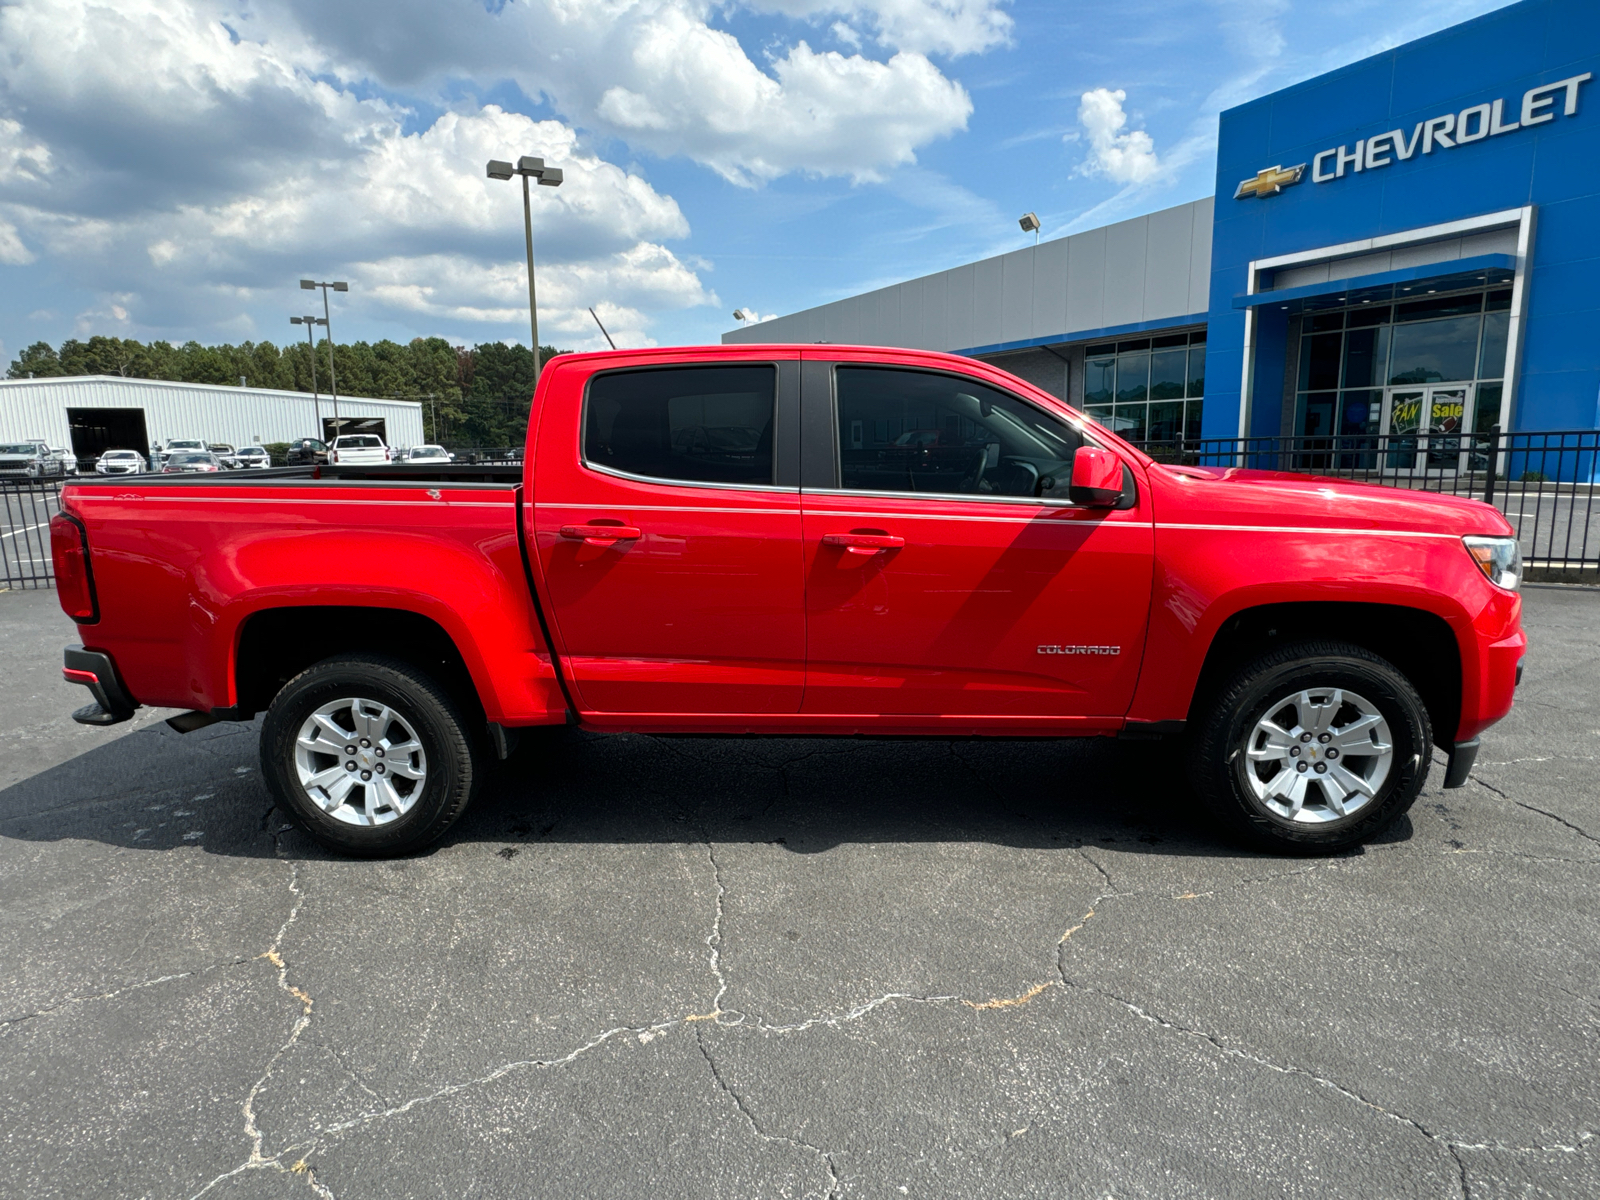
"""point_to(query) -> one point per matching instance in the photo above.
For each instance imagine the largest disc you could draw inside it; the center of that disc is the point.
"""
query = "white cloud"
(657, 74)
(178, 236)
(184, 157)
(952, 27)
(1121, 157)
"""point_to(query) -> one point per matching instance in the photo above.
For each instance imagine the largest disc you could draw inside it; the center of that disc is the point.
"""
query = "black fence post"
(1494, 464)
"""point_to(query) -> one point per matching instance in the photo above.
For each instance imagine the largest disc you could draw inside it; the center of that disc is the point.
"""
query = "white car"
(429, 454)
(254, 456)
(180, 446)
(120, 462)
(358, 450)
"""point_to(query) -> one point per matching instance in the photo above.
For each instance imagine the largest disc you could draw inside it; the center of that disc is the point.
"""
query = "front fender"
(1204, 578)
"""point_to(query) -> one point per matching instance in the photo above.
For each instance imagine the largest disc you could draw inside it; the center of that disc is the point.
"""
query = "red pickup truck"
(818, 540)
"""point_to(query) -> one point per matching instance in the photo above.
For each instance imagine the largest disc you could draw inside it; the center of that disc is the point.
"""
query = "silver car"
(26, 461)
(120, 462)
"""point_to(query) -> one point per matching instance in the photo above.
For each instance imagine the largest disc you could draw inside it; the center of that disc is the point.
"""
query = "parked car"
(181, 462)
(120, 462)
(429, 454)
(253, 456)
(359, 450)
(177, 445)
(306, 452)
(1309, 644)
(67, 459)
(29, 460)
(226, 454)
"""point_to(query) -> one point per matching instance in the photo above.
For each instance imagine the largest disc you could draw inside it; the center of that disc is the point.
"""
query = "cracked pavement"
(736, 968)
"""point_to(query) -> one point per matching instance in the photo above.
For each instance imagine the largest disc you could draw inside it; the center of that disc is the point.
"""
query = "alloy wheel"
(1318, 755)
(360, 761)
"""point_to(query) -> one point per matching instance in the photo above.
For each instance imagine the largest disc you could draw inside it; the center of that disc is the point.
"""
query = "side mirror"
(1096, 478)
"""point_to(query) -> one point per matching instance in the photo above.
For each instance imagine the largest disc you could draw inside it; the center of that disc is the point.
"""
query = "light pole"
(547, 177)
(327, 320)
(316, 400)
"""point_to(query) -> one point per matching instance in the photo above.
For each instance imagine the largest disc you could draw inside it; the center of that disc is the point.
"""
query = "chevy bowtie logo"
(1270, 181)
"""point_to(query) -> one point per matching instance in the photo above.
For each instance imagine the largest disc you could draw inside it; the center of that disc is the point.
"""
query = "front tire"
(1312, 749)
(368, 755)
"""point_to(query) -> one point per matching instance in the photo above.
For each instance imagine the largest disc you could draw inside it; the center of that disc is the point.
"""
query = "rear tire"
(1312, 749)
(368, 755)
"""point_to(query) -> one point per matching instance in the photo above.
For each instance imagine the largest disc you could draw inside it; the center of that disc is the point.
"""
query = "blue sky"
(170, 168)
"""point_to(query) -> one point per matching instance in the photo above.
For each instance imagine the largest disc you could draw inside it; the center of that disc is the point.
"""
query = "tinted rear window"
(696, 424)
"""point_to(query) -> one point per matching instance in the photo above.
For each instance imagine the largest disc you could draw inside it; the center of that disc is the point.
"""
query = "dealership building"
(1409, 243)
(93, 413)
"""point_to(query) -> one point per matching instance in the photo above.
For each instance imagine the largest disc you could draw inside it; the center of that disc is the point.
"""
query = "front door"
(1425, 428)
(947, 575)
(669, 546)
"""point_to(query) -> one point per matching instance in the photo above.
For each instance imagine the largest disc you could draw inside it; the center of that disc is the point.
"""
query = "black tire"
(1218, 762)
(450, 776)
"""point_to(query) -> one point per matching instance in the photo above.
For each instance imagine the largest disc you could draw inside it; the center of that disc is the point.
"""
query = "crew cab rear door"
(944, 577)
(665, 516)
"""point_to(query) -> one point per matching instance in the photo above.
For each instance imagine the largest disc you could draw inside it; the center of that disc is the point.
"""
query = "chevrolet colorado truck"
(820, 541)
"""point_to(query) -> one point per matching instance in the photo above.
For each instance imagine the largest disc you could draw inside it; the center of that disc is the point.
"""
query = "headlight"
(1500, 559)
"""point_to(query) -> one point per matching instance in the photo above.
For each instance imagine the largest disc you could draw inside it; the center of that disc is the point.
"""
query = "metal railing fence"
(1545, 482)
(25, 510)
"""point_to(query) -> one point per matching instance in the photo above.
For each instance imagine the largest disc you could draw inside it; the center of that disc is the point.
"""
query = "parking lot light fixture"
(1030, 224)
(316, 400)
(528, 166)
(327, 321)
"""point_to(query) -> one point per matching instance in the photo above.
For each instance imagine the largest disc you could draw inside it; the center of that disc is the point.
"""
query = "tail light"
(69, 550)
(335, 456)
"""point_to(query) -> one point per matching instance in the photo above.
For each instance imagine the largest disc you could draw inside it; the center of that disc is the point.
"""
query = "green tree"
(39, 361)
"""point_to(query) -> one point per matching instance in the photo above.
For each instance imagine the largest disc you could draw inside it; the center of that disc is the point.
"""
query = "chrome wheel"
(1318, 755)
(360, 762)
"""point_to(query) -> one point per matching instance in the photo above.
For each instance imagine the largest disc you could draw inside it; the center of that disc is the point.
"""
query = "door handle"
(864, 543)
(601, 535)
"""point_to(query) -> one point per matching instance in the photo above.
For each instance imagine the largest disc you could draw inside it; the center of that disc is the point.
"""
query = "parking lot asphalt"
(660, 967)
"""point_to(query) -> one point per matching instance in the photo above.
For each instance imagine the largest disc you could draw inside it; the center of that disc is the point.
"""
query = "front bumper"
(95, 671)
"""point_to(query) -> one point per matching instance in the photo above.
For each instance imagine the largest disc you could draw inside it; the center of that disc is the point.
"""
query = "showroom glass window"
(688, 424)
(926, 431)
(1147, 389)
(1349, 356)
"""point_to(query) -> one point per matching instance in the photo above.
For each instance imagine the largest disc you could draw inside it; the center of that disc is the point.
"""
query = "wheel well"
(277, 644)
(1419, 644)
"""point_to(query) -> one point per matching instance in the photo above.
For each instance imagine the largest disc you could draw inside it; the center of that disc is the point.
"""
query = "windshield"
(428, 452)
(119, 454)
(19, 448)
(197, 445)
(357, 441)
(179, 460)
(252, 452)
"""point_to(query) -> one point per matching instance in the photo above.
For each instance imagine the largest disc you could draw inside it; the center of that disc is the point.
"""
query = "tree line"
(470, 395)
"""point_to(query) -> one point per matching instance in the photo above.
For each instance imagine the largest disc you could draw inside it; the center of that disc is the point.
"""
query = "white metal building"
(91, 413)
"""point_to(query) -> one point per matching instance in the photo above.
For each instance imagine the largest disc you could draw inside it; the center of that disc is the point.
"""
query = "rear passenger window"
(922, 431)
(694, 424)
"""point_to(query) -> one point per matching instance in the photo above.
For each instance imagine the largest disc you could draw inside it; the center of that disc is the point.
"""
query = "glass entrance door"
(1424, 428)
